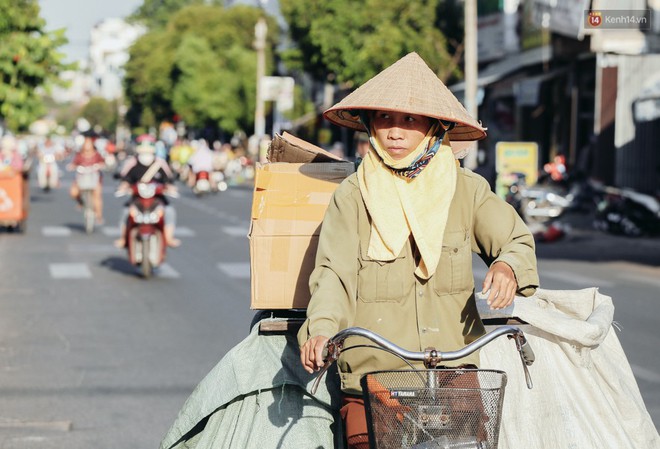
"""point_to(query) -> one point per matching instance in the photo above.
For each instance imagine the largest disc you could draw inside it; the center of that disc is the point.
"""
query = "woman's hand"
(311, 353)
(502, 284)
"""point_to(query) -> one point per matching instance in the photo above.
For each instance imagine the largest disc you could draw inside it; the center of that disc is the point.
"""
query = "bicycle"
(433, 408)
(87, 179)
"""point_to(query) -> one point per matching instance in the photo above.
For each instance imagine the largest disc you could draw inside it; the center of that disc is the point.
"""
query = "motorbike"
(48, 174)
(218, 183)
(87, 179)
(539, 203)
(202, 183)
(627, 212)
(145, 236)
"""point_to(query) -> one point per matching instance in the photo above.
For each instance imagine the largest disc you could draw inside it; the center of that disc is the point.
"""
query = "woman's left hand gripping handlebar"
(311, 353)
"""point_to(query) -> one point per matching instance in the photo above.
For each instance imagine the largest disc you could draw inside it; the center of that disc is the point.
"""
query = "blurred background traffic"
(568, 90)
(570, 104)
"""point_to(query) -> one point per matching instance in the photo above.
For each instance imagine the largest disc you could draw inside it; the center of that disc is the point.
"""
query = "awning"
(498, 70)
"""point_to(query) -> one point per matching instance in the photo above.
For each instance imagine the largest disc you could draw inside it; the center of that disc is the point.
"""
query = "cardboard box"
(290, 200)
(289, 148)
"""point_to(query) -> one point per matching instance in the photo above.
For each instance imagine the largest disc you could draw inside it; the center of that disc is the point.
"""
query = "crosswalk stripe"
(182, 231)
(166, 271)
(56, 231)
(236, 231)
(110, 231)
(237, 270)
(92, 248)
(575, 279)
(69, 271)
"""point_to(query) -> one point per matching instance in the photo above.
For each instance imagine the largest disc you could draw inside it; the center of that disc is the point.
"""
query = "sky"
(79, 17)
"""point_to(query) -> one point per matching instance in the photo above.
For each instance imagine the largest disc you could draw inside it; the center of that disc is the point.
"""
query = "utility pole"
(470, 69)
(260, 31)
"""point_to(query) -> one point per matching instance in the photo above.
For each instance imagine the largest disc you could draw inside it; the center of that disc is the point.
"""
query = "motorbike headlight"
(146, 190)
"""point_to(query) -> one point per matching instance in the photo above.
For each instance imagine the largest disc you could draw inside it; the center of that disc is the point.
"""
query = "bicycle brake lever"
(527, 356)
(330, 354)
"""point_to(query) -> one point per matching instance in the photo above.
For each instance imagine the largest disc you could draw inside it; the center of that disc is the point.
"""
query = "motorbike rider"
(10, 159)
(47, 172)
(134, 171)
(200, 161)
(88, 156)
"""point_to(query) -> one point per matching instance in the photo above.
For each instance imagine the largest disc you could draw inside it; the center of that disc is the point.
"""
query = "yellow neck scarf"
(399, 206)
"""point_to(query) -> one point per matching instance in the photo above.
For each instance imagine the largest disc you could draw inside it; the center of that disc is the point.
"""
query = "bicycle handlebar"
(430, 356)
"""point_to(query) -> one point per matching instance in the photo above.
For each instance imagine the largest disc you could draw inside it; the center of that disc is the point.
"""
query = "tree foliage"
(101, 113)
(201, 66)
(29, 60)
(342, 41)
(156, 13)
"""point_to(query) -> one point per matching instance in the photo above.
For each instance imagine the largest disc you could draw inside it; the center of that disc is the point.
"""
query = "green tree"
(102, 113)
(156, 13)
(29, 60)
(201, 66)
(338, 41)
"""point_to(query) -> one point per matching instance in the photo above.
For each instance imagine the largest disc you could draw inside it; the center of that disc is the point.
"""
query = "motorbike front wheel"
(145, 265)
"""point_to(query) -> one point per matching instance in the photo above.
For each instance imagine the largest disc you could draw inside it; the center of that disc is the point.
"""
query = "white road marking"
(238, 270)
(56, 231)
(92, 248)
(110, 231)
(575, 279)
(64, 426)
(69, 271)
(167, 272)
(639, 278)
(182, 231)
(236, 231)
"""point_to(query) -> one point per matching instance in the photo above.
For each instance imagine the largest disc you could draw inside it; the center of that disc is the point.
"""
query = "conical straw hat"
(408, 85)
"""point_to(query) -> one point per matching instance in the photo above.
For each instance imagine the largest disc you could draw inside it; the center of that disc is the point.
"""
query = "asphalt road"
(91, 355)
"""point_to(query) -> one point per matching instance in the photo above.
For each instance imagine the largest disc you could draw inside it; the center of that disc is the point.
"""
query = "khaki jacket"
(350, 289)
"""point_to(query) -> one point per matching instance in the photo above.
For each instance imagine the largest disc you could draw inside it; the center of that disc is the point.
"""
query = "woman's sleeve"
(502, 236)
(333, 283)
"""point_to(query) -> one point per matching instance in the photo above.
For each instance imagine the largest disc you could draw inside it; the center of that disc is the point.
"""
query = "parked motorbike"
(539, 203)
(48, 174)
(87, 179)
(145, 236)
(627, 212)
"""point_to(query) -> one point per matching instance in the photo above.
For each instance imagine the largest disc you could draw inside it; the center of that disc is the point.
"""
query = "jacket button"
(421, 293)
(455, 250)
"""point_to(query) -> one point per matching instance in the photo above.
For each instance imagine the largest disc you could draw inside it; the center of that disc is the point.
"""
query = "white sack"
(585, 395)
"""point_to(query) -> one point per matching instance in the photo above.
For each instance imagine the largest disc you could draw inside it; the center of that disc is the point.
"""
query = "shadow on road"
(77, 227)
(120, 265)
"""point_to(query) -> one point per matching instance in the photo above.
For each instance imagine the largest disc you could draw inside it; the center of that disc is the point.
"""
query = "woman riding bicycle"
(89, 157)
(395, 249)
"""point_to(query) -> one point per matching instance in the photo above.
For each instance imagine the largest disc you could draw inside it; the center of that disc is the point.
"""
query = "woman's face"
(88, 145)
(399, 133)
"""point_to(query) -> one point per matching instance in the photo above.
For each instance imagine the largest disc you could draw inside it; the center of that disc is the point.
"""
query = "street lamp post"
(260, 30)
(471, 72)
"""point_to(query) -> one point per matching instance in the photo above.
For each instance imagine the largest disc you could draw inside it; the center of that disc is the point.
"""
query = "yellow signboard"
(513, 159)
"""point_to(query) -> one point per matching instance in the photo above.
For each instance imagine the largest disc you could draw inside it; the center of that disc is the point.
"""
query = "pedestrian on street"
(395, 249)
